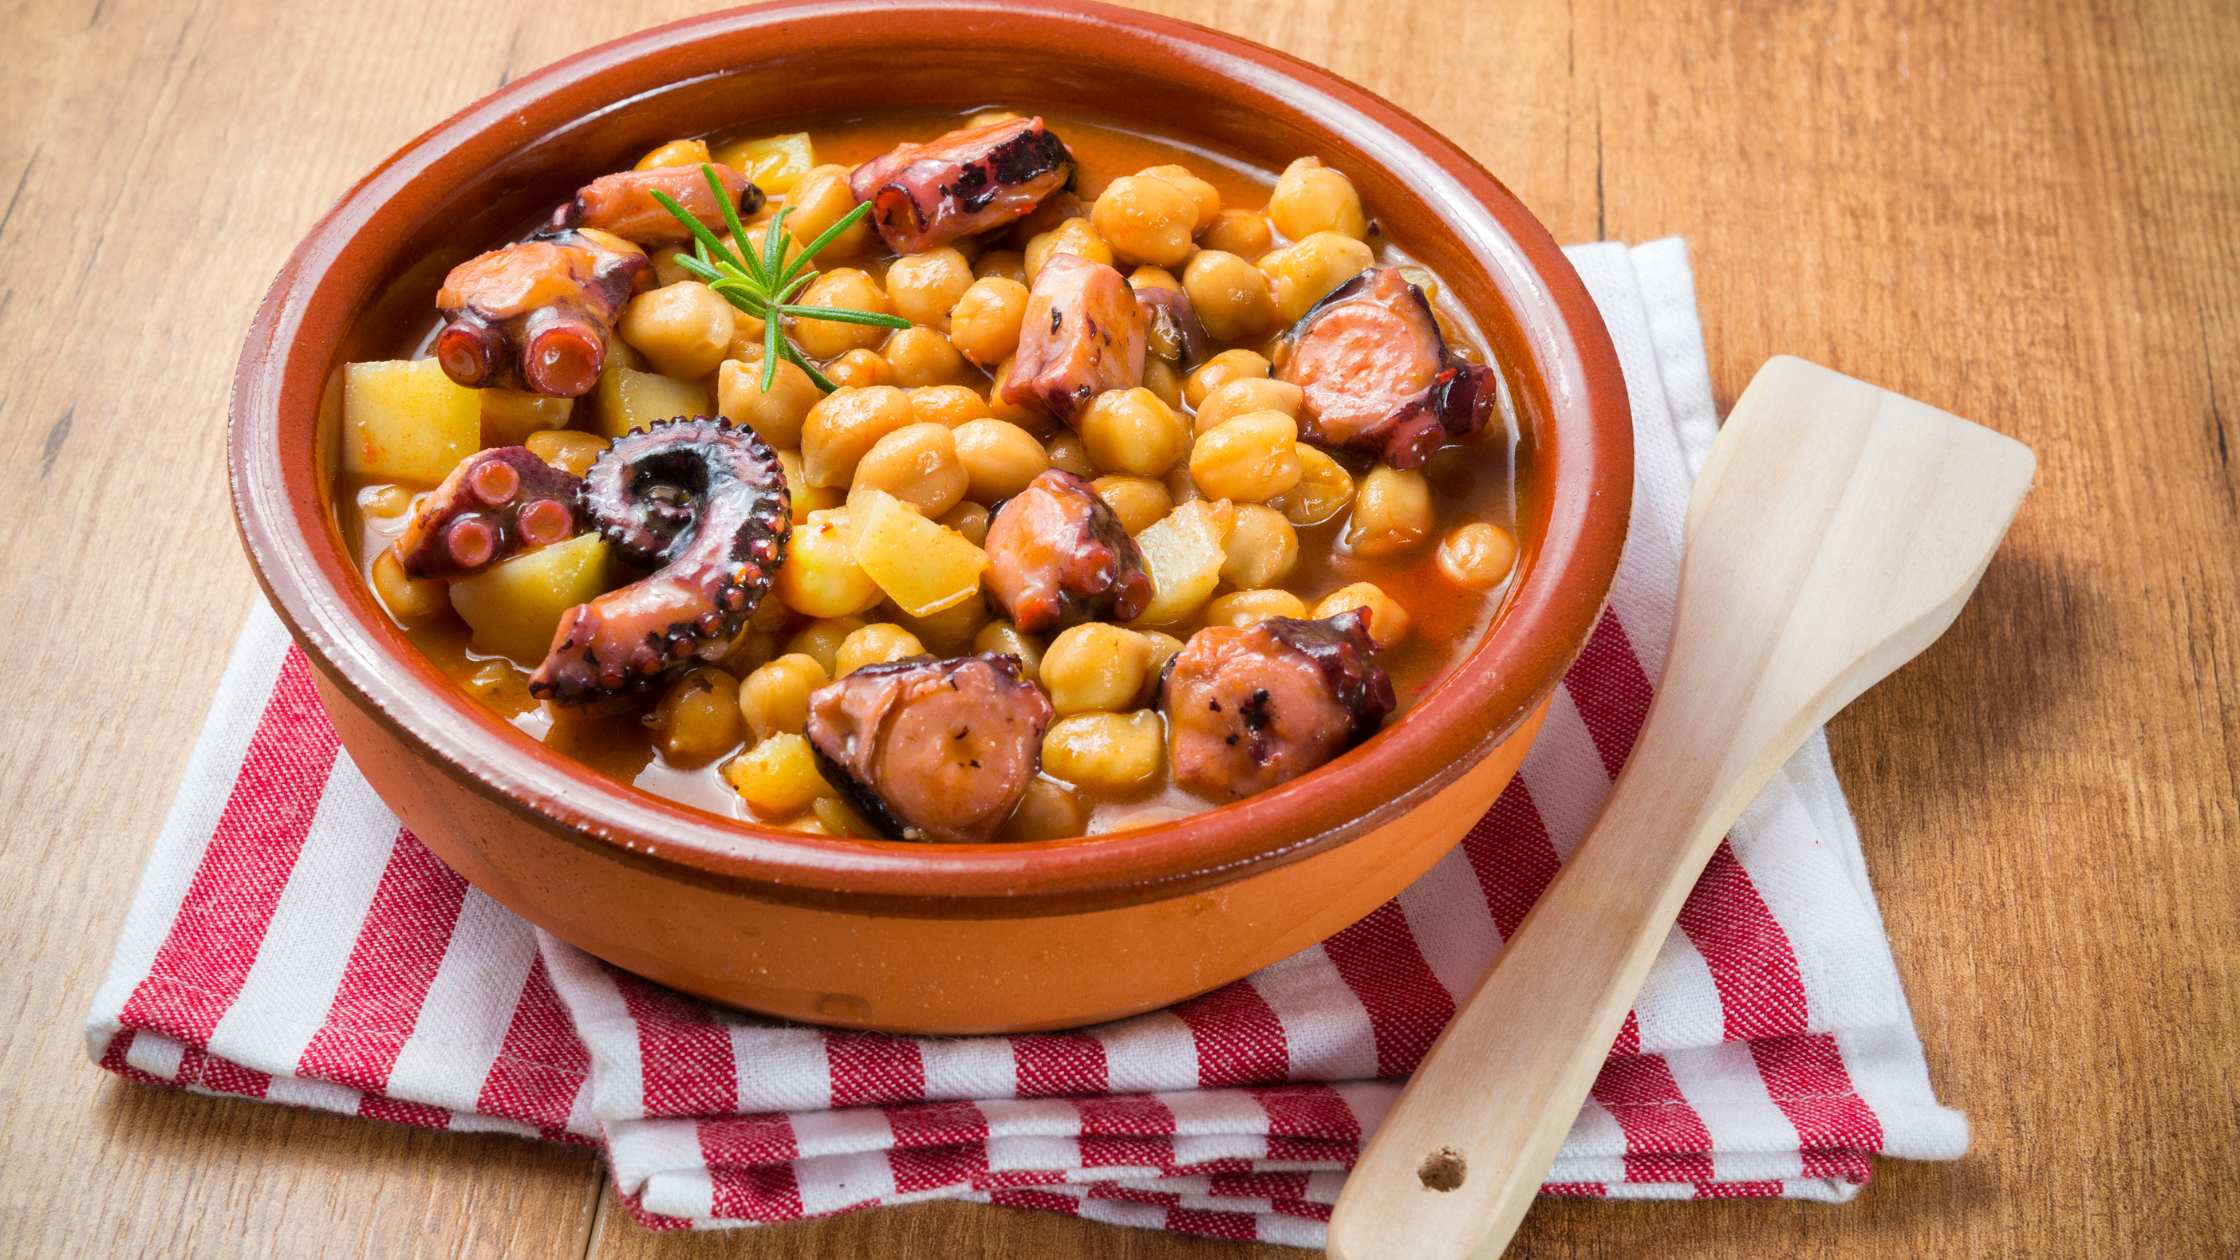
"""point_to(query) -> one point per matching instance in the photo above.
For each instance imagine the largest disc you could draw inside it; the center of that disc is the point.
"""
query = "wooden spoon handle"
(1511, 1071)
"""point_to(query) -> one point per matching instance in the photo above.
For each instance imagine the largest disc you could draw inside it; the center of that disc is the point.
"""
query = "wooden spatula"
(1835, 532)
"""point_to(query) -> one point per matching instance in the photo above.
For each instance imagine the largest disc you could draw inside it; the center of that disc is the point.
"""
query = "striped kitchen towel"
(291, 942)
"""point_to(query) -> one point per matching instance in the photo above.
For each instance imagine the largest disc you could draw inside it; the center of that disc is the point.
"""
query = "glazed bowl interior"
(368, 272)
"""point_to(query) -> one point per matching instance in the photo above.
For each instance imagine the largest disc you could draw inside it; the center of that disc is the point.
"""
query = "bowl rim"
(1515, 667)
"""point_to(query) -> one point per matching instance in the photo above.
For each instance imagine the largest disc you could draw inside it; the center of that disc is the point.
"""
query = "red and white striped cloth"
(289, 941)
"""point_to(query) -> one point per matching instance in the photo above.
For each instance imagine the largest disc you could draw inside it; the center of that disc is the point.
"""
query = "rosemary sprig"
(765, 286)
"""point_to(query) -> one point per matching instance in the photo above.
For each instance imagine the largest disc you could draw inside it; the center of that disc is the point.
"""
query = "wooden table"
(2027, 214)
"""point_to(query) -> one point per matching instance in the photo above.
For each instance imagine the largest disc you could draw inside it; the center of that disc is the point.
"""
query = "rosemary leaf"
(698, 229)
(845, 315)
(738, 229)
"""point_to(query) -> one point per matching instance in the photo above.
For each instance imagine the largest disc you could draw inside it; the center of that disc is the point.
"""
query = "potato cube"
(772, 163)
(923, 567)
(1182, 554)
(406, 421)
(514, 606)
(630, 399)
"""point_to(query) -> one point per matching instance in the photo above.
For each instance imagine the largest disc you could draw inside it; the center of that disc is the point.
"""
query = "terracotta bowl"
(888, 935)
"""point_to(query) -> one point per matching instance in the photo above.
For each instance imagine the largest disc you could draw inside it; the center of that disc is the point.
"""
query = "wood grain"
(2027, 214)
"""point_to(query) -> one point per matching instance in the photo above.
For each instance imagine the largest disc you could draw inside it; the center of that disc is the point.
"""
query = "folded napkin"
(290, 941)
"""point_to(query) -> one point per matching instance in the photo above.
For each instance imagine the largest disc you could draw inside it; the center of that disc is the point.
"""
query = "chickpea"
(1074, 236)
(675, 153)
(952, 405)
(947, 632)
(1004, 638)
(1253, 457)
(1477, 555)
(922, 357)
(1391, 512)
(1220, 370)
(746, 337)
(1030, 416)
(1244, 609)
(819, 199)
(1262, 548)
(1311, 198)
(755, 648)
(990, 117)
(510, 415)
(774, 699)
(839, 819)
(820, 641)
(1205, 198)
(667, 270)
(917, 464)
(1163, 648)
(969, 519)
(1048, 216)
(876, 643)
(1131, 431)
(1423, 279)
(1139, 502)
(1244, 233)
(806, 498)
(1105, 750)
(390, 501)
(1388, 621)
(1066, 451)
(408, 598)
(1150, 277)
(1305, 273)
(683, 329)
(1181, 489)
(1093, 666)
(570, 449)
(1325, 489)
(1145, 219)
(1049, 811)
(844, 425)
(1160, 377)
(984, 322)
(999, 457)
(1232, 297)
(923, 287)
(775, 414)
(778, 777)
(820, 577)
(849, 289)
(1246, 395)
(1003, 264)
(697, 718)
(1453, 471)
(860, 369)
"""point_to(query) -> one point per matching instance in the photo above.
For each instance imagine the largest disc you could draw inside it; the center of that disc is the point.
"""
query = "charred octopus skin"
(1058, 556)
(496, 503)
(926, 195)
(1172, 329)
(538, 315)
(1250, 709)
(927, 749)
(704, 505)
(1376, 374)
(1082, 334)
(623, 203)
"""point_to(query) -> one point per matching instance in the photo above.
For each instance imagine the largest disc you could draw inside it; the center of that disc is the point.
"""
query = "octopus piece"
(929, 749)
(1250, 709)
(1082, 334)
(538, 314)
(1172, 328)
(623, 203)
(704, 505)
(1378, 376)
(926, 195)
(1058, 556)
(496, 503)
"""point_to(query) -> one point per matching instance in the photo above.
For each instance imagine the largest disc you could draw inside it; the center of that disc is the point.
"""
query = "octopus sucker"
(538, 314)
(1376, 374)
(703, 504)
(926, 195)
(494, 504)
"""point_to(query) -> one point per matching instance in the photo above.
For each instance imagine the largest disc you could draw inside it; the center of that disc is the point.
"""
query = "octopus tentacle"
(538, 314)
(703, 504)
(495, 503)
(924, 195)
(622, 203)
